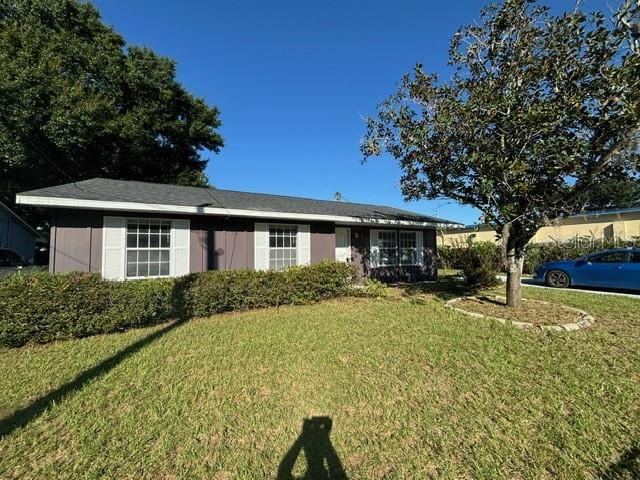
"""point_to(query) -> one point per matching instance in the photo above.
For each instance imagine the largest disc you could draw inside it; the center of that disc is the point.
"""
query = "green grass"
(413, 391)
(444, 273)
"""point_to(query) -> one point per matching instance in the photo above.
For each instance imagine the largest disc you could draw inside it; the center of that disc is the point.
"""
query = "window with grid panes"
(148, 248)
(387, 248)
(282, 246)
(408, 248)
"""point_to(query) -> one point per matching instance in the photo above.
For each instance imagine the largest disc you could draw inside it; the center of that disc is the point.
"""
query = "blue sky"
(295, 79)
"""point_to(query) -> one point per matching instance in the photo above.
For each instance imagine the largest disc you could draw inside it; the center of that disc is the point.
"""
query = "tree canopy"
(76, 102)
(614, 194)
(538, 110)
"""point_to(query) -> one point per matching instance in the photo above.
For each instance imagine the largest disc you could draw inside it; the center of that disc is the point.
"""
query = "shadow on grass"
(23, 416)
(493, 301)
(444, 289)
(627, 466)
(323, 462)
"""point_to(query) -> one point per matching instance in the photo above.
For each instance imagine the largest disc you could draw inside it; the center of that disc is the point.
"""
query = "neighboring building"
(18, 235)
(622, 224)
(126, 229)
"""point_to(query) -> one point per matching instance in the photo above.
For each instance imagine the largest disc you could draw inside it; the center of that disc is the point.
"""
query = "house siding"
(199, 246)
(215, 243)
(323, 242)
(232, 243)
(222, 244)
(75, 242)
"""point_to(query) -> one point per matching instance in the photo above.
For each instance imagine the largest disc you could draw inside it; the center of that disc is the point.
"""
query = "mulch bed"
(532, 311)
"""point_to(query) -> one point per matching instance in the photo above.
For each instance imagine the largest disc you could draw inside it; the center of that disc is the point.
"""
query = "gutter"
(61, 202)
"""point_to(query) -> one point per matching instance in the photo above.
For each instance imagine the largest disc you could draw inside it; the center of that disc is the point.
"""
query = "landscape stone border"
(586, 320)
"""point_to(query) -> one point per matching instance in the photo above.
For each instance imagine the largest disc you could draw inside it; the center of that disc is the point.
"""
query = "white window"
(145, 248)
(387, 248)
(283, 246)
(408, 248)
(392, 248)
(148, 248)
(277, 246)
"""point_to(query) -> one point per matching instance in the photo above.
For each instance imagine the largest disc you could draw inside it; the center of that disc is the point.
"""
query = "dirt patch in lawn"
(536, 313)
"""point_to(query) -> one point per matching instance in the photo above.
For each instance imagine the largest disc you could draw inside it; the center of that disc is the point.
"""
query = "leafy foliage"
(222, 291)
(372, 287)
(76, 103)
(481, 277)
(44, 307)
(480, 263)
(537, 254)
(488, 253)
(614, 193)
(539, 109)
(457, 257)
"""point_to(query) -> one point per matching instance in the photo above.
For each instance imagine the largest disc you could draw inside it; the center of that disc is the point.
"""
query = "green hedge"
(458, 257)
(480, 264)
(215, 292)
(45, 307)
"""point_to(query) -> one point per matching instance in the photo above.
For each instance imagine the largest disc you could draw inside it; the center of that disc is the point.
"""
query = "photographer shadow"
(323, 462)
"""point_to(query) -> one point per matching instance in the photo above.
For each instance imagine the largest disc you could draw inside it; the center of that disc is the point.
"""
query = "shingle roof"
(102, 189)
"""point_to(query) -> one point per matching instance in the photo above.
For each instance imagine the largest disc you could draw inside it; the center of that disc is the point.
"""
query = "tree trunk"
(513, 245)
(515, 263)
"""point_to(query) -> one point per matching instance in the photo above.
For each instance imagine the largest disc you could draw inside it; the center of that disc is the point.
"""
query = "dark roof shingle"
(155, 193)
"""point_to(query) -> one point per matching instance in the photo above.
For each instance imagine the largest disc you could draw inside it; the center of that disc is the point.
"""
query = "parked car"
(11, 262)
(613, 268)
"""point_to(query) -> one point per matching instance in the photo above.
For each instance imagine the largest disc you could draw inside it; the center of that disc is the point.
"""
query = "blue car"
(614, 268)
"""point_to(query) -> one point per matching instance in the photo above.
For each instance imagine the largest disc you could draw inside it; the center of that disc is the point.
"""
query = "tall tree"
(76, 102)
(538, 110)
(614, 193)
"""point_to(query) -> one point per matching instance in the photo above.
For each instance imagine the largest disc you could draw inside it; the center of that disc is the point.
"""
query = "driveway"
(530, 282)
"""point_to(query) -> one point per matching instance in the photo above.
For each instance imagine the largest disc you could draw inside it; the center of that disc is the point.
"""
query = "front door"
(343, 244)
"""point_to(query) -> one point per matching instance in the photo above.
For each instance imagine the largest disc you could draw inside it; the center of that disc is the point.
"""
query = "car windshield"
(9, 259)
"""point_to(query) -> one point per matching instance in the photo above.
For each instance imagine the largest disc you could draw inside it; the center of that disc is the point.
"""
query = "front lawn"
(412, 391)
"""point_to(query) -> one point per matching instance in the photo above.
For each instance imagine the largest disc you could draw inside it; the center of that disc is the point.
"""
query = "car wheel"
(557, 279)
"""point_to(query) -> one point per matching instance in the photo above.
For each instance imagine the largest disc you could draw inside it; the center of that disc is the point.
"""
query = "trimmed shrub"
(449, 257)
(481, 277)
(222, 291)
(465, 257)
(480, 264)
(45, 307)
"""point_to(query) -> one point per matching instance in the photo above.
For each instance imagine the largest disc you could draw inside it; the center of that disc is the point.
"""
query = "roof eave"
(107, 205)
